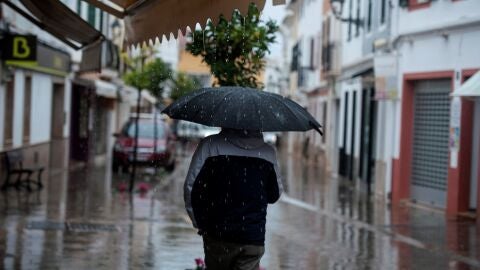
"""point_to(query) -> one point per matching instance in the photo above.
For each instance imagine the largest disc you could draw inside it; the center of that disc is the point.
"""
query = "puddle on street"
(151, 231)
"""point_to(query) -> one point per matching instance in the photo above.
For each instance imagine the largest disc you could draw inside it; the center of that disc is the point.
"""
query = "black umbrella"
(242, 108)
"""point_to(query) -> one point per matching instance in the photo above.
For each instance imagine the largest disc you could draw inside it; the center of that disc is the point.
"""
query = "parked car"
(189, 130)
(163, 155)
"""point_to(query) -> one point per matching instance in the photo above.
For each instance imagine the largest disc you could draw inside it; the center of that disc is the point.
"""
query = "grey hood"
(245, 139)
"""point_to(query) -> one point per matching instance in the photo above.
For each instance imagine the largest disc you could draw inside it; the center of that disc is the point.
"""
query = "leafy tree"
(182, 85)
(235, 49)
(150, 77)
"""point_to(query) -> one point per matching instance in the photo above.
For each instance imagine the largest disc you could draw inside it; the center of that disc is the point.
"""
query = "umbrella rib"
(285, 105)
(218, 105)
(259, 115)
(296, 114)
(192, 99)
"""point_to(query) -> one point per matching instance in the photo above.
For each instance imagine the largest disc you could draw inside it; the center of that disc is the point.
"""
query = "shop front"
(93, 119)
(35, 91)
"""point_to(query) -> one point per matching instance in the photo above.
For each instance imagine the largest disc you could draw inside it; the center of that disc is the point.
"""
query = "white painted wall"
(436, 53)
(67, 106)
(310, 27)
(352, 50)
(341, 118)
(438, 15)
(168, 51)
(41, 110)
(386, 139)
(18, 107)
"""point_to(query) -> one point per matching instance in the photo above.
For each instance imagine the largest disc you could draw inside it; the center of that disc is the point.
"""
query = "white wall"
(67, 106)
(168, 51)
(431, 53)
(352, 51)
(437, 53)
(41, 110)
(18, 102)
(310, 27)
(439, 14)
(386, 138)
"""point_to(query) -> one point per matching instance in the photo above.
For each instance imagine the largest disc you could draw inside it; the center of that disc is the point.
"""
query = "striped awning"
(148, 20)
(57, 19)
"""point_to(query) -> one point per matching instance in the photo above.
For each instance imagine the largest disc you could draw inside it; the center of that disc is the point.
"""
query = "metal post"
(155, 136)
(135, 148)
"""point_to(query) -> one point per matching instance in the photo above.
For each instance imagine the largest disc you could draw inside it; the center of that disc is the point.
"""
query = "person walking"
(232, 178)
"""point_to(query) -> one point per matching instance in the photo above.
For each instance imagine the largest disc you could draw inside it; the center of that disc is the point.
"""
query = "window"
(101, 22)
(312, 53)
(369, 16)
(295, 66)
(91, 15)
(8, 128)
(357, 20)
(27, 101)
(79, 7)
(383, 11)
(324, 123)
(350, 18)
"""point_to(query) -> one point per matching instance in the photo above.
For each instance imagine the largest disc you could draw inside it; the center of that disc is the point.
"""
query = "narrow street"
(82, 221)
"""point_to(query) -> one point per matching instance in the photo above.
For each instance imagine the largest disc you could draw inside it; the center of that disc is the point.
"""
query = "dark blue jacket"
(231, 180)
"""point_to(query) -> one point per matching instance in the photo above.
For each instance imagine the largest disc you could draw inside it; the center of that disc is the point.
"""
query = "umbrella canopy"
(242, 108)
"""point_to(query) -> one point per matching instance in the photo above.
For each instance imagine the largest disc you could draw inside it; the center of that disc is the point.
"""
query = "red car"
(162, 156)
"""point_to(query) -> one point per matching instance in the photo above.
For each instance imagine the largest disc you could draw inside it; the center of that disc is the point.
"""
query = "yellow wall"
(193, 65)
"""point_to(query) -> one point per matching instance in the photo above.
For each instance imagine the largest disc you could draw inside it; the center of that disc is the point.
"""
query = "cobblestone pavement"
(81, 220)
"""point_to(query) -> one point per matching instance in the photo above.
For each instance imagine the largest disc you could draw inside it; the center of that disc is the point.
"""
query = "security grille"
(430, 143)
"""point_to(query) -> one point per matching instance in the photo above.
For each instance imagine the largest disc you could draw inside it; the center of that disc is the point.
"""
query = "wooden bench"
(24, 176)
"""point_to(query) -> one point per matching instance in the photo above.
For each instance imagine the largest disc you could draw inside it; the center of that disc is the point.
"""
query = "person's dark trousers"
(221, 255)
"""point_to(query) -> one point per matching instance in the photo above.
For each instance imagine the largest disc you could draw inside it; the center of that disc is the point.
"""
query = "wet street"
(83, 220)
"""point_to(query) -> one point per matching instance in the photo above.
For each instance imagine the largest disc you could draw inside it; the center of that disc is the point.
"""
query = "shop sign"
(386, 87)
(19, 48)
(26, 52)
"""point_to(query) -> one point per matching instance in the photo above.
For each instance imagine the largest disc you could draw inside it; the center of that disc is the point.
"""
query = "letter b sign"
(20, 48)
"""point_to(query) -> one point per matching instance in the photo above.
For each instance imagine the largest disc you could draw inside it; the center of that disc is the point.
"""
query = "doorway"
(475, 169)
(79, 123)
(367, 137)
(431, 141)
(342, 164)
(57, 142)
